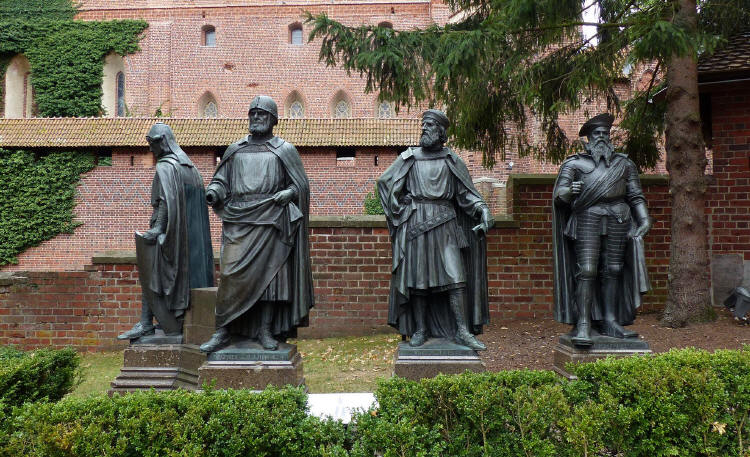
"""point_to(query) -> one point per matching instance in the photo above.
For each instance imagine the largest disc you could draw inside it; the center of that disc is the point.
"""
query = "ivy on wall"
(37, 197)
(67, 59)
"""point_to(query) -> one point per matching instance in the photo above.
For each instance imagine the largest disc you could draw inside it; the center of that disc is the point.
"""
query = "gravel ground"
(515, 344)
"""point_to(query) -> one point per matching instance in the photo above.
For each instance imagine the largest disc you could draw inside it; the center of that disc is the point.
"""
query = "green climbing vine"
(67, 59)
(66, 56)
(37, 197)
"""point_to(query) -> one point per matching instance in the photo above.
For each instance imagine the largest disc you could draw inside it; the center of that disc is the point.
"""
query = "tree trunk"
(689, 284)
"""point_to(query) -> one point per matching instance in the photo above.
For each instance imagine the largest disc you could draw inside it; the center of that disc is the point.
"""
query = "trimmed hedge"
(44, 374)
(144, 424)
(682, 403)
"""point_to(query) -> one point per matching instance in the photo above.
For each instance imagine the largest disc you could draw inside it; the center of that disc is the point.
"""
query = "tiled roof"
(124, 132)
(734, 57)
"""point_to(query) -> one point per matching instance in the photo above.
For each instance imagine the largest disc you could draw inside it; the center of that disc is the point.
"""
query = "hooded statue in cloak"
(175, 254)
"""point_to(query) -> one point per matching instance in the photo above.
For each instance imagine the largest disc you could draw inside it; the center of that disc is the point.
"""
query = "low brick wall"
(351, 260)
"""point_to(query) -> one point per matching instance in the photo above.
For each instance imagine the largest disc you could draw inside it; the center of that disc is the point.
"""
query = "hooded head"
(161, 141)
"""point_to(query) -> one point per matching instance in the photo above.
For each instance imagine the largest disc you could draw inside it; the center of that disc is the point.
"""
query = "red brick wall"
(728, 197)
(350, 272)
(252, 54)
(113, 202)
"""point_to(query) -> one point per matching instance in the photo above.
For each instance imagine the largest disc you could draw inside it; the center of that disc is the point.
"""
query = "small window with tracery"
(386, 110)
(342, 109)
(296, 110)
(211, 110)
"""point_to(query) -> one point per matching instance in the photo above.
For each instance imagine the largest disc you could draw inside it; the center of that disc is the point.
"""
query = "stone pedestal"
(200, 319)
(170, 362)
(436, 356)
(246, 365)
(604, 346)
(159, 366)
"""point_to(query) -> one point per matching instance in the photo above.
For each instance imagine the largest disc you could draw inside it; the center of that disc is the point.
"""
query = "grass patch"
(98, 369)
(347, 364)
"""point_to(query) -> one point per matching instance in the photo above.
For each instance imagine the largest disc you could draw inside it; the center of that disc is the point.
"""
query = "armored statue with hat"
(599, 220)
(437, 221)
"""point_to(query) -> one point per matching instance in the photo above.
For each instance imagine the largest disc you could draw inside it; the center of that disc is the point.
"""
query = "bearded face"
(599, 145)
(260, 122)
(432, 135)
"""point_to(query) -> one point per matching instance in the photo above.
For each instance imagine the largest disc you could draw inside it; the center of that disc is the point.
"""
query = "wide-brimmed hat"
(437, 115)
(600, 120)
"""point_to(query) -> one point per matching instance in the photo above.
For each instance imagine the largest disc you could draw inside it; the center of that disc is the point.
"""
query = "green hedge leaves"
(37, 197)
(683, 403)
(177, 423)
(44, 374)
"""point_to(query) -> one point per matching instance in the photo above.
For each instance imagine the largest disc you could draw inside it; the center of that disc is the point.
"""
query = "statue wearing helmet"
(262, 195)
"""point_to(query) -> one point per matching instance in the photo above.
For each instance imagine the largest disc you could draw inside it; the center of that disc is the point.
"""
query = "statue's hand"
(576, 187)
(150, 236)
(283, 197)
(642, 229)
(487, 221)
(212, 198)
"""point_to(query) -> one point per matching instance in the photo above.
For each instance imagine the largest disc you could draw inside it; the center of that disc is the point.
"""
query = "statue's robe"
(265, 253)
(431, 210)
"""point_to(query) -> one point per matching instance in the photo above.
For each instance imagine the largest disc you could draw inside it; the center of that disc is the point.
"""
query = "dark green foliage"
(372, 203)
(37, 197)
(213, 423)
(512, 413)
(44, 374)
(510, 63)
(11, 10)
(684, 403)
(67, 59)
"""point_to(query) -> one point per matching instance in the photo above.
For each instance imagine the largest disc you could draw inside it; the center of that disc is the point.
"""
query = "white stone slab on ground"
(339, 406)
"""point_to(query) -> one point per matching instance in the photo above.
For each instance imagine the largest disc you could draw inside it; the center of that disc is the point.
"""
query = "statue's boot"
(265, 337)
(143, 328)
(419, 308)
(610, 326)
(584, 297)
(463, 335)
(218, 340)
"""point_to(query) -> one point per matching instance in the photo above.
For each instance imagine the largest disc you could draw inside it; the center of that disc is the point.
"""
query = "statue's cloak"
(182, 257)
(635, 280)
(440, 321)
(243, 284)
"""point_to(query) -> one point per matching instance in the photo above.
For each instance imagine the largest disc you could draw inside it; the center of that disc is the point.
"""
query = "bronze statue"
(437, 221)
(262, 195)
(599, 220)
(175, 254)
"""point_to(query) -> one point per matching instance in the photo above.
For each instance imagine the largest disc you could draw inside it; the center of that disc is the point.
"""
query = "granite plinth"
(566, 352)
(247, 365)
(159, 366)
(435, 356)
(200, 318)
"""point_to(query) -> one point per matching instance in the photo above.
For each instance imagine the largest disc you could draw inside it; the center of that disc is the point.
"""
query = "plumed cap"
(600, 120)
(438, 116)
(265, 103)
